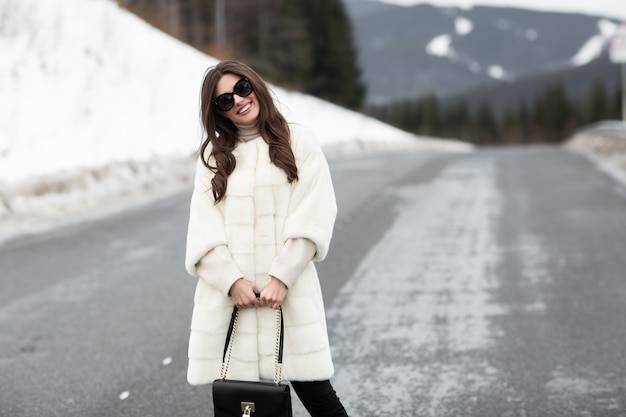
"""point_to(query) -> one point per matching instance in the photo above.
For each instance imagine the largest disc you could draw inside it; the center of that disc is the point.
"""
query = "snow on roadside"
(604, 144)
(88, 193)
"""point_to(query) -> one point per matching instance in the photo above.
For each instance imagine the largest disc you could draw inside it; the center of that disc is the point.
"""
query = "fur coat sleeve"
(206, 228)
(312, 207)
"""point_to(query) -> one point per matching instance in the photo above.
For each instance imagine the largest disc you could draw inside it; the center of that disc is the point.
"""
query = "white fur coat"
(261, 210)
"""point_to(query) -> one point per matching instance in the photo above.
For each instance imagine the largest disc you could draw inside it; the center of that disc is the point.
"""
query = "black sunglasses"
(226, 101)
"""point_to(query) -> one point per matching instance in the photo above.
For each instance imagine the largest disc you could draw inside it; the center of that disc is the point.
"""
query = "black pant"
(319, 398)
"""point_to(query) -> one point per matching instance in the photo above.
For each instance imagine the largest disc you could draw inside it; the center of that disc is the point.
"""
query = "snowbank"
(605, 144)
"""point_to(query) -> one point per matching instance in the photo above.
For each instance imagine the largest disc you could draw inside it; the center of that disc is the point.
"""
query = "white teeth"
(244, 109)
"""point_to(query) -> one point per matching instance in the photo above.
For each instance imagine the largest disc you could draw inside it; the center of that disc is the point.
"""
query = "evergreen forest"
(551, 116)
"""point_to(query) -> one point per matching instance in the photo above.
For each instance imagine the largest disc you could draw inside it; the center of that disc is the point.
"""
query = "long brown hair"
(222, 133)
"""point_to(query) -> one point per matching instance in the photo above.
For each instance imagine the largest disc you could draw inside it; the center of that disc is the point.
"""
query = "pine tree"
(335, 75)
(615, 105)
(525, 121)
(511, 131)
(456, 120)
(485, 125)
(430, 115)
(597, 103)
(557, 112)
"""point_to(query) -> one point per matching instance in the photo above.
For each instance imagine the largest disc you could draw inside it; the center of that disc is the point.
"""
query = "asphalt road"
(483, 284)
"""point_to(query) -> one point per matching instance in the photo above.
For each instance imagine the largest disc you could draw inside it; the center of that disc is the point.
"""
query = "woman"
(262, 210)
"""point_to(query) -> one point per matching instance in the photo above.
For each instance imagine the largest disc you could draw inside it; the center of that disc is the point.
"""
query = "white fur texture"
(260, 212)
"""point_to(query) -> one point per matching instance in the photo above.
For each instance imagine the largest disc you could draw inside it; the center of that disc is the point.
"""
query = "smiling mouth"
(244, 108)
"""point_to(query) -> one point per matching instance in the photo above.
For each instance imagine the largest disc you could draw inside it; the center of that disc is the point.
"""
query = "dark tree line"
(550, 117)
(300, 44)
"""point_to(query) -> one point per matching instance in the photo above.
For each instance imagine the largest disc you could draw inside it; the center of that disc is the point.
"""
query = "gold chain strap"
(278, 369)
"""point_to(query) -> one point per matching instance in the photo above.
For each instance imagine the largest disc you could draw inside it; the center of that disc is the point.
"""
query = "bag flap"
(270, 400)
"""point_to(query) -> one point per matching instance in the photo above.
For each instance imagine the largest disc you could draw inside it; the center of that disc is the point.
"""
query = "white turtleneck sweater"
(218, 266)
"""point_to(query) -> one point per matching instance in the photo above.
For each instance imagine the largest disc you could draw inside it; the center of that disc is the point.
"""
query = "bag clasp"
(247, 408)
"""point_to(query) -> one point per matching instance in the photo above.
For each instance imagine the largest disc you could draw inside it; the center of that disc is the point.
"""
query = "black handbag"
(233, 398)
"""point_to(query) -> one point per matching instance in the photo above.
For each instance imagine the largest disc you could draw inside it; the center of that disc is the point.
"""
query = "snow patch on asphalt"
(410, 321)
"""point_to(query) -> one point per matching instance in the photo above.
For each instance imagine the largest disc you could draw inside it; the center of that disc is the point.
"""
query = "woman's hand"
(273, 294)
(243, 294)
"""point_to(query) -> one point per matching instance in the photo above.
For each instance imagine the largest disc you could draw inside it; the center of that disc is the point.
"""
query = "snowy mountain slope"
(608, 8)
(96, 106)
(448, 50)
(87, 79)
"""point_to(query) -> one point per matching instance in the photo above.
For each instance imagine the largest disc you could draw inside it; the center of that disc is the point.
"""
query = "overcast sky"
(610, 8)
